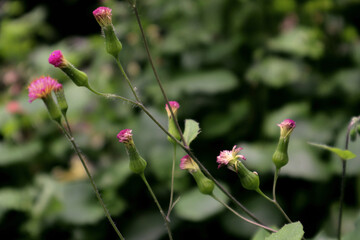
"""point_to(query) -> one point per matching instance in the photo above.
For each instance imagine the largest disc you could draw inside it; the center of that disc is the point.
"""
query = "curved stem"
(78, 152)
(343, 177)
(127, 80)
(242, 217)
(158, 205)
(172, 181)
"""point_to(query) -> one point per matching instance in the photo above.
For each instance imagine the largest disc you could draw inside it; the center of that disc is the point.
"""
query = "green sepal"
(280, 157)
(61, 100)
(113, 45)
(249, 180)
(52, 108)
(172, 129)
(137, 164)
(205, 185)
(78, 77)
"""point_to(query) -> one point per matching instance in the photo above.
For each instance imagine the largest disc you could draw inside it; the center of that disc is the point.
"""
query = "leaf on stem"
(343, 154)
(293, 231)
(192, 129)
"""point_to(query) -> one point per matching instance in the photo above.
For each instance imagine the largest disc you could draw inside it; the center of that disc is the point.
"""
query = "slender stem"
(172, 181)
(242, 217)
(276, 175)
(78, 152)
(127, 79)
(155, 71)
(158, 205)
(67, 124)
(343, 177)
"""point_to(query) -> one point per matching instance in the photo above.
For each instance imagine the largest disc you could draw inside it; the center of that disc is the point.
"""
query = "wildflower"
(230, 157)
(280, 157)
(137, 163)
(42, 88)
(80, 78)
(172, 129)
(103, 17)
(205, 185)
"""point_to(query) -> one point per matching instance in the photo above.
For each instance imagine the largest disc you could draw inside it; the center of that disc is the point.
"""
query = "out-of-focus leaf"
(293, 231)
(79, 204)
(354, 234)
(16, 199)
(151, 227)
(115, 175)
(343, 154)
(210, 82)
(195, 206)
(300, 41)
(275, 72)
(10, 154)
(191, 131)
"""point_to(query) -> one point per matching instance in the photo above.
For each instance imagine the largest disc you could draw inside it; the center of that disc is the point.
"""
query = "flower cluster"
(125, 136)
(57, 59)
(103, 16)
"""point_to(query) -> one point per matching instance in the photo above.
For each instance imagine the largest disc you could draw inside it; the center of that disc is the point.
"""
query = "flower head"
(103, 16)
(57, 59)
(125, 136)
(231, 157)
(286, 127)
(42, 87)
(186, 163)
(174, 107)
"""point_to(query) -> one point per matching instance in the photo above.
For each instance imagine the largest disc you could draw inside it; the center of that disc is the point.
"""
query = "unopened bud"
(249, 180)
(205, 185)
(172, 129)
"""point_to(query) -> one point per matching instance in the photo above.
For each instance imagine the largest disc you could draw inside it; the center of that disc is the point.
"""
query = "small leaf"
(293, 231)
(192, 129)
(343, 154)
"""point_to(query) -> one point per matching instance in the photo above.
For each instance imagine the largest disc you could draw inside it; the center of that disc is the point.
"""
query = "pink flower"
(42, 87)
(57, 59)
(186, 163)
(174, 107)
(125, 136)
(103, 16)
(227, 156)
(286, 127)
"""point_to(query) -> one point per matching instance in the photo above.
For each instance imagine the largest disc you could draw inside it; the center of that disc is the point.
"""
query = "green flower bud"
(280, 158)
(205, 185)
(353, 134)
(112, 43)
(172, 129)
(249, 180)
(61, 100)
(52, 108)
(137, 163)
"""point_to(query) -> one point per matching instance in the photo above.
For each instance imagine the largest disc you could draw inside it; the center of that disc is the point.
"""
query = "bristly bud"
(205, 185)
(80, 78)
(230, 158)
(103, 17)
(61, 100)
(172, 129)
(280, 157)
(137, 163)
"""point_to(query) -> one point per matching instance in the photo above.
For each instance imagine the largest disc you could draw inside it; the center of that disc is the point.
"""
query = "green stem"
(67, 124)
(242, 217)
(276, 175)
(158, 205)
(343, 177)
(172, 181)
(78, 152)
(127, 80)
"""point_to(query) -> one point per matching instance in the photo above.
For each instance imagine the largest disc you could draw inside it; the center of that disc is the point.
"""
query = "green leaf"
(293, 231)
(195, 206)
(10, 154)
(16, 199)
(261, 234)
(192, 129)
(343, 154)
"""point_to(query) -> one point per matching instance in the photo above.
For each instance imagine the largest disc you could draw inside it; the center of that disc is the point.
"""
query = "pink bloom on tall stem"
(286, 127)
(125, 136)
(42, 87)
(57, 59)
(103, 16)
(186, 163)
(227, 156)
(174, 107)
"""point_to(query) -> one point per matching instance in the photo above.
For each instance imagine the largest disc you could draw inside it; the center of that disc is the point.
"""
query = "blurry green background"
(238, 67)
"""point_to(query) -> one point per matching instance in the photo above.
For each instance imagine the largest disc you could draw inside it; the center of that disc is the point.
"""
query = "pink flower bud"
(103, 16)
(186, 163)
(286, 127)
(174, 107)
(231, 157)
(125, 136)
(57, 59)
